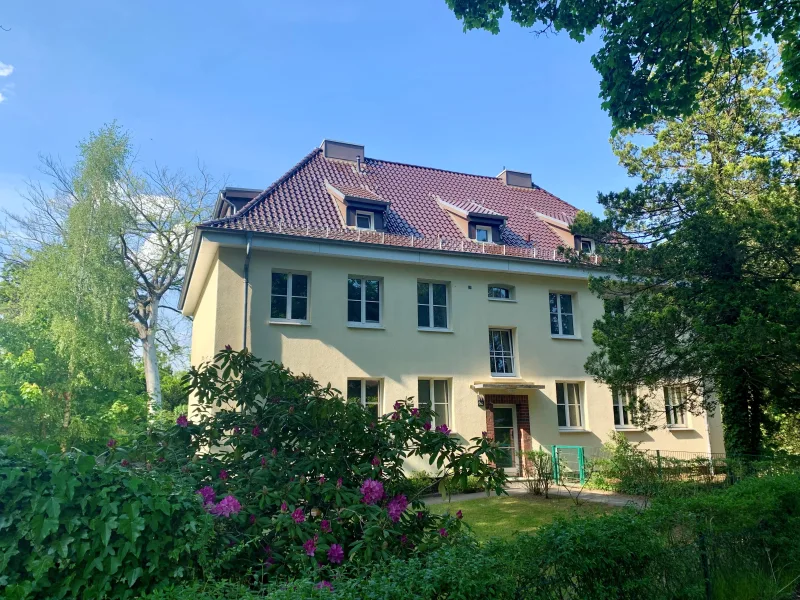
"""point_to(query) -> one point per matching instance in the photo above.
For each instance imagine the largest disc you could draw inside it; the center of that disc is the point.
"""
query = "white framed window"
(368, 393)
(501, 352)
(624, 402)
(289, 301)
(434, 394)
(365, 219)
(570, 407)
(562, 323)
(587, 246)
(499, 291)
(432, 306)
(675, 405)
(483, 233)
(364, 296)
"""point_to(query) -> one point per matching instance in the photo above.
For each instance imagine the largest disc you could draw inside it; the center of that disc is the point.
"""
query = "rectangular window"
(624, 407)
(568, 399)
(365, 220)
(561, 317)
(500, 292)
(432, 305)
(364, 300)
(674, 403)
(501, 352)
(433, 394)
(289, 297)
(483, 234)
(368, 393)
(587, 246)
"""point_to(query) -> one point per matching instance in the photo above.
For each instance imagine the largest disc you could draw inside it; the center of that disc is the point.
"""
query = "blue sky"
(248, 88)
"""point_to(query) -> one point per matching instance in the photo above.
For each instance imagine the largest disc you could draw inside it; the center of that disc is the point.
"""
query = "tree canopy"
(654, 60)
(706, 287)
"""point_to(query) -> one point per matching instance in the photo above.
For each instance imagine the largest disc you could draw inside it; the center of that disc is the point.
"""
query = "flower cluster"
(372, 491)
(335, 554)
(112, 443)
(396, 507)
(182, 421)
(208, 494)
(443, 428)
(227, 506)
(298, 515)
(310, 546)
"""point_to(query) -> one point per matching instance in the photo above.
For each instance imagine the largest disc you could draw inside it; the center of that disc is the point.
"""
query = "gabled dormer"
(360, 207)
(475, 220)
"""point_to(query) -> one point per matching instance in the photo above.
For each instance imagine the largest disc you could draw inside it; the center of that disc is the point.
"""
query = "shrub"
(538, 465)
(302, 481)
(70, 527)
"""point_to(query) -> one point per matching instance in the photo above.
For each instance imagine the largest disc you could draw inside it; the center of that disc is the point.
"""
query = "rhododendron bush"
(300, 480)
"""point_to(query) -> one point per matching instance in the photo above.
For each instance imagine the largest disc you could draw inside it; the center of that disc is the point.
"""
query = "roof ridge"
(402, 164)
(263, 195)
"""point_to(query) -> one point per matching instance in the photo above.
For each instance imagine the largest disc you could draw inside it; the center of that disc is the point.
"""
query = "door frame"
(514, 468)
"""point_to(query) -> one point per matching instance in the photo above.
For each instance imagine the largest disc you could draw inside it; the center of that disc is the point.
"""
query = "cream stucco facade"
(398, 353)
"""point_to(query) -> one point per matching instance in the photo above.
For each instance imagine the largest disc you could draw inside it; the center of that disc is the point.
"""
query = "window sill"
(679, 428)
(289, 322)
(624, 428)
(365, 325)
(576, 338)
(572, 430)
(434, 330)
(505, 376)
(510, 300)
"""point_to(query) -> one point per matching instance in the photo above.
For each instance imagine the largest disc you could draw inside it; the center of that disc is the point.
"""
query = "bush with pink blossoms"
(319, 483)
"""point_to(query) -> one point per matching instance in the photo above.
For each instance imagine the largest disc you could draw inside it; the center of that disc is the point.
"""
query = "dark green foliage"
(295, 457)
(71, 527)
(657, 55)
(749, 532)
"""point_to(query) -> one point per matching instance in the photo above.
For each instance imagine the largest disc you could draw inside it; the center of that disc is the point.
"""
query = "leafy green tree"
(654, 60)
(706, 287)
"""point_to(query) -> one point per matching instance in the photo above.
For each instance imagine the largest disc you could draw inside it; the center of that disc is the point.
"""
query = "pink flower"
(228, 347)
(459, 515)
(420, 514)
(443, 429)
(263, 461)
(237, 430)
(124, 462)
(395, 416)
(484, 434)
(324, 585)
(396, 507)
(310, 546)
(227, 506)
(298, 515)
(284, 508)
(339, 482)
(112, 443)
(397, 405)
(325, 526)
(372, 491)
(252, 519)
(427, 426)
(182, 421)
(256, 431)
(335, 554)
(223, 474)
(443, 532)
(414, 412)
(208, 494)
(376, 462)
(321, 479)
(274, 452)
(403, 539)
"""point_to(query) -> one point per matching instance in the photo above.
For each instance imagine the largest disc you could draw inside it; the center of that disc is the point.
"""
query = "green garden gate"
(569, 465)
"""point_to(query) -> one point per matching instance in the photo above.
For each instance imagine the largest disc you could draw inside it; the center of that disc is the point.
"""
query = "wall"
(398, 354)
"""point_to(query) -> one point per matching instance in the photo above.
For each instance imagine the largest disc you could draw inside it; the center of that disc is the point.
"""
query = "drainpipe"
(246, 288)
(708, 433)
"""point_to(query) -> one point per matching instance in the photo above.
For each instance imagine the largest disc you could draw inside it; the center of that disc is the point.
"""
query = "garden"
(275, 487)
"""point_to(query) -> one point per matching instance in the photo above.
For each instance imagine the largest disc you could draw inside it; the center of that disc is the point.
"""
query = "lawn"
(503, 517)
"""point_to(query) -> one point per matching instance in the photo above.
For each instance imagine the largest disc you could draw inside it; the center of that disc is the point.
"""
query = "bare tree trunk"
(152, 377)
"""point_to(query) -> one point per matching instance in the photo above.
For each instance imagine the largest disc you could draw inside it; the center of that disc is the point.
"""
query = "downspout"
(708, 432)
(246, 288)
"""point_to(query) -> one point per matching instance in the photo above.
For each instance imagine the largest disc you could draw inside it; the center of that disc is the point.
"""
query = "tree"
(654, 61)
(706, 287)
(156, 210)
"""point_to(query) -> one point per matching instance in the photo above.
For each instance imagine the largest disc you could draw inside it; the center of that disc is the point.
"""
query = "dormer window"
(587, 246)
(483, 233)
(365, 220)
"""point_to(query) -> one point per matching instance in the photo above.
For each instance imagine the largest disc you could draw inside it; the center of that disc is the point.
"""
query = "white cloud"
(2, 97)
(6, 70)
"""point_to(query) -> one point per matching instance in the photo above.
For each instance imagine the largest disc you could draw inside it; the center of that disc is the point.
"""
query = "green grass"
(503, 517)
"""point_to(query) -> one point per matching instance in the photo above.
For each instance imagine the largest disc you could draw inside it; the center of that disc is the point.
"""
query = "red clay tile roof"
(298, 203)
(473, 207)
(357, 191)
